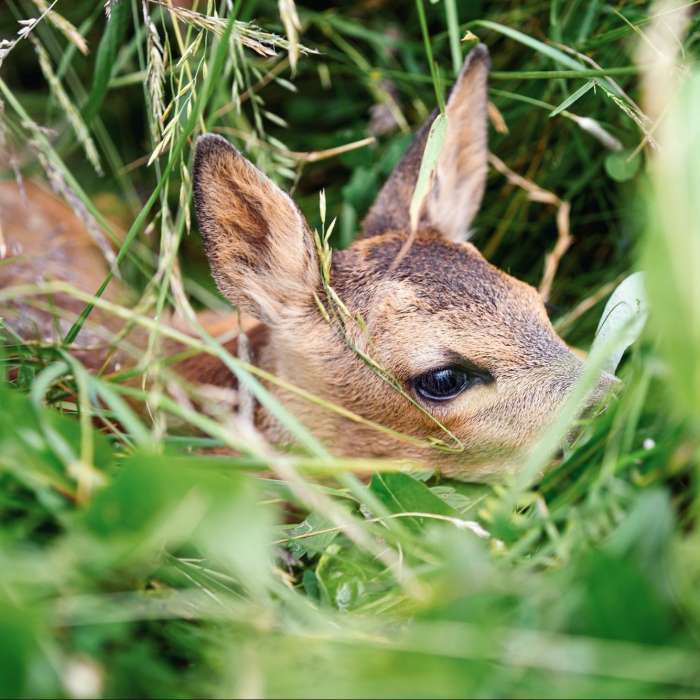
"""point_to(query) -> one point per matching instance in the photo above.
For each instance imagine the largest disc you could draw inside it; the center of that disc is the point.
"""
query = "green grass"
(135, 564)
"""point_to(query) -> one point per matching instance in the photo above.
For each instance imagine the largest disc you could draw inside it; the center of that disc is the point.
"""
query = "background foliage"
(134, 564)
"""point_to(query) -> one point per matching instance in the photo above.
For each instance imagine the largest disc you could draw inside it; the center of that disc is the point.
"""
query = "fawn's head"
(471, 354)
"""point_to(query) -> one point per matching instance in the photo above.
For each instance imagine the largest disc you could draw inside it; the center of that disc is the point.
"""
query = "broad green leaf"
(401, 493)
(465, 498)
(310, 544)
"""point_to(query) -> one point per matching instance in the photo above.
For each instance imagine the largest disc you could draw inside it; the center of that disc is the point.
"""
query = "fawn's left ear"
(460, 174)
(260, 249)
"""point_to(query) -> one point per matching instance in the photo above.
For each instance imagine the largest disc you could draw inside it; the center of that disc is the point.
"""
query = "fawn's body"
(427, 339)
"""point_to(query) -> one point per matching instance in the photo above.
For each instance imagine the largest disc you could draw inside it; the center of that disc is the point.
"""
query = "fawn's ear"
(260, 249)
(460, 174)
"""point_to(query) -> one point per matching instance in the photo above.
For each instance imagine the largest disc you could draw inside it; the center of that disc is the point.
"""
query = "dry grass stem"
(564, 238)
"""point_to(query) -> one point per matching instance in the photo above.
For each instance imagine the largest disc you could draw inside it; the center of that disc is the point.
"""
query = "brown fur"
(207, 369)
(440, 303)
(45, 241)
(249, 224)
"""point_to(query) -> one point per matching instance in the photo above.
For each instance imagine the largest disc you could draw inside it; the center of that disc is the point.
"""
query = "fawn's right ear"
(260, 249)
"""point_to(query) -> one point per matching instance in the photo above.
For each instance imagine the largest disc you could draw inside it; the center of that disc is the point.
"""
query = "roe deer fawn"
(469, 349)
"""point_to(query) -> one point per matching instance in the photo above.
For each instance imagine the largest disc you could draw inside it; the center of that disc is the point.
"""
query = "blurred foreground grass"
(132, 565)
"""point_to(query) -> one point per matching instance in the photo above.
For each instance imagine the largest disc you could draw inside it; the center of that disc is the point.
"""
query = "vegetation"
(134, 562)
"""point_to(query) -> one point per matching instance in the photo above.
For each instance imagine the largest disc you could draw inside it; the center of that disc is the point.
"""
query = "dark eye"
(445, 383)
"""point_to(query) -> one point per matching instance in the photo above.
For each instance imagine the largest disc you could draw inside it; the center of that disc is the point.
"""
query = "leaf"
(311, 545)
(110, 44)
(573, 97)
(623, 320)
(433, 146)
(401, 493)
(544, 49)
(622, 166)
(465, 498)
(347, 576)
(310, 584)
(549, 51)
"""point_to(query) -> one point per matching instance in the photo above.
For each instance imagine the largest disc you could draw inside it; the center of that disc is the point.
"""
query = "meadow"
(150, 549)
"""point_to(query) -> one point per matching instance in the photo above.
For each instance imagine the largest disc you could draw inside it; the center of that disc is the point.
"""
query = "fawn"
(428, 339)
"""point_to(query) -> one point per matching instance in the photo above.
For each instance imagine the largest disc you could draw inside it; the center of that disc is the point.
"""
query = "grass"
(135, 563)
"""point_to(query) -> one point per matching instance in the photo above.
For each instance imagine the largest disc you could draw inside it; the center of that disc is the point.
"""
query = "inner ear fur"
(460, 175)
(260, 249)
